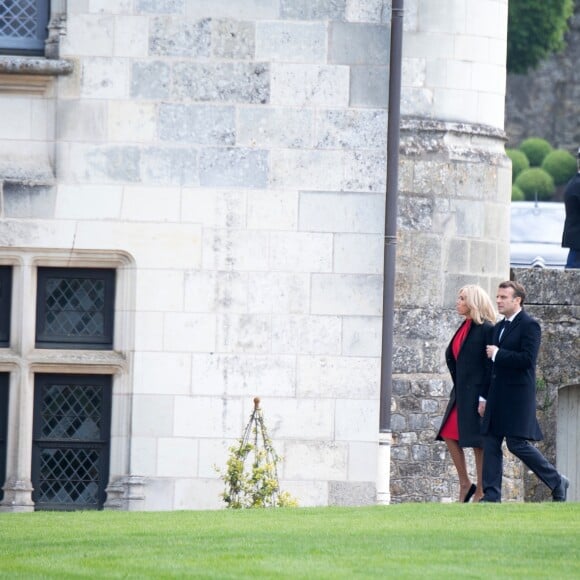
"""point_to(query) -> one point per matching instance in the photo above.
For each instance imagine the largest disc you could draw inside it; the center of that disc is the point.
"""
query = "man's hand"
(481, 408)
(490, 350)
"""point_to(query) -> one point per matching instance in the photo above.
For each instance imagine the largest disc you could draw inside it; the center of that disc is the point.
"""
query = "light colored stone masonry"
(234, 153)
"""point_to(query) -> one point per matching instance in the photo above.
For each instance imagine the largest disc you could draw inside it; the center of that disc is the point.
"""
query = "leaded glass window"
(75, 308)
(23, 26)
(5, 304)
(70, 458)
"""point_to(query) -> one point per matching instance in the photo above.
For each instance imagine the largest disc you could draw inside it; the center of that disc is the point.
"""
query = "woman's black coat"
(471, 375)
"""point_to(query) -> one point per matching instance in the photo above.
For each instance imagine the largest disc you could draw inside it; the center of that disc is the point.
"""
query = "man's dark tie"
(506, 324)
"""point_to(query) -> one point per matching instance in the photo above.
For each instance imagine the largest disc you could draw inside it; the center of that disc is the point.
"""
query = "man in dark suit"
(571, 233)
(508, 407)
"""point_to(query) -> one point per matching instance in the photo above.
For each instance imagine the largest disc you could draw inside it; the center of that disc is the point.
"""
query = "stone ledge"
(30, 75)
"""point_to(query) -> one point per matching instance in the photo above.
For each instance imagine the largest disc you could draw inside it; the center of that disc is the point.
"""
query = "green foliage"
(536, 28)
(409, 540)
(561, 165)
(535, 182)
(535, 149)
(254, 485)
(519, 161)
(517, 194)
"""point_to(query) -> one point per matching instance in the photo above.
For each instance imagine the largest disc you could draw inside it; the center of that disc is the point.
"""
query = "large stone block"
(313, 9)
(361, 336)
(159, 291)
(369, 86)
(197, 124)
(365, 10)
(198, 493)
(243, 333)
(105, 78)
(28, 201)
(358, 254)
(215, 208)
(323, 460)
(169, 166)
(301, 252)
(177, 457)
(244, 375)
(301, 85)
(235, 250)
(245, 10)
(356, 420)
(89, 35)
(207, 417)
(172, 36)
(232, 39)
(341, 212)
(352, 129)
(164, 373)
(161, 6)
(146, 204)
(131, 36)
(291, 42)
(279, 292)
(338, 377)
(150, 80)
(131, 121)
(184, 332)
(275, 127)
(216, 292)
(347, 493)
(272, 210)
(241, 167)
(347, 294)
(356, 44)
(314, 335)
(152, 416)
(78, 120)
(234, 82)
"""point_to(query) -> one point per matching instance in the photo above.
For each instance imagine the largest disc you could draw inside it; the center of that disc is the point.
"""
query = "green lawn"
(399, 541)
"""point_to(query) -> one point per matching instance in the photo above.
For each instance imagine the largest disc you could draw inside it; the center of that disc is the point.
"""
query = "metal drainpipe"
(393, 137)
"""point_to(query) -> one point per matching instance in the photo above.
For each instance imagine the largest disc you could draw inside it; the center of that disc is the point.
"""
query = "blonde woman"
(470, 371)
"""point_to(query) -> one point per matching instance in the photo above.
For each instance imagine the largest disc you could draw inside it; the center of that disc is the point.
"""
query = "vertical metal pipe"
(393, 138)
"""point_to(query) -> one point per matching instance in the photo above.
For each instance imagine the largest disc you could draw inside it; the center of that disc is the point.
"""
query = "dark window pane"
(75, 308)
(5, 304)
(23, 26)
(71, 441)
(4, 377)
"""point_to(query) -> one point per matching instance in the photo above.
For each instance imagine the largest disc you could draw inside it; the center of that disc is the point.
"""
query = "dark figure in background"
(470, 371)
(510, 409)
(571, 234)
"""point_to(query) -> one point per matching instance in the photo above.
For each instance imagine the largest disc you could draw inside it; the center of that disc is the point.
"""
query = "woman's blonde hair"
(479, 304)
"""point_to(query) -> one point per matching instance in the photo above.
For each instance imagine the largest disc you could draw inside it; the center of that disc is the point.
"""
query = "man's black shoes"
(559, 493)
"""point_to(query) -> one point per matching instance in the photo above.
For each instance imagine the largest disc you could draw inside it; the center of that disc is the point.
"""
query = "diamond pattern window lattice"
(18, 18)
(75, 307)
(72, 412)
(69, 476)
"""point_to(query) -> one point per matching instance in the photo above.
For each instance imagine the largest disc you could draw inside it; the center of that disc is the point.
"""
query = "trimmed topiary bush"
(535, 150)
(561, 165)
(536, 181)
(517, 194)
(519, 161)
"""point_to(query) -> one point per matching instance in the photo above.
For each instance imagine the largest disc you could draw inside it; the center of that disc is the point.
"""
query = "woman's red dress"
(451, 428)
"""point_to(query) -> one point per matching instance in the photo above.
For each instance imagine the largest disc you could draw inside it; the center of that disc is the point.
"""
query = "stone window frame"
(22, 361)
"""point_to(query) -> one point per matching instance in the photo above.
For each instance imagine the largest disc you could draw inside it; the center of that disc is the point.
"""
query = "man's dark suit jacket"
(511, 399)
(470, 374)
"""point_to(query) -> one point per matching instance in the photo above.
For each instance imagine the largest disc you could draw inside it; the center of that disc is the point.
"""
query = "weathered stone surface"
(150, 80)
(198, 124)
(369, 86)
(291, 42)
(28, 201)
(359, 44)
(172, 36)
(352, 129)
(313, 9)
(169, 166)
(233, 166)
(160, 6)
(232, 39)
(351, 493)
(221, 82)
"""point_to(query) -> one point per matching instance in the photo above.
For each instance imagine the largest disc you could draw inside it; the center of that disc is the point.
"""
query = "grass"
(399, 541)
